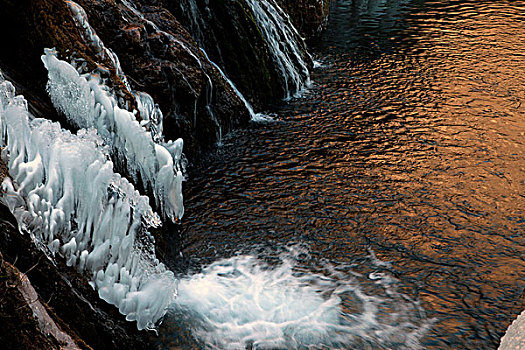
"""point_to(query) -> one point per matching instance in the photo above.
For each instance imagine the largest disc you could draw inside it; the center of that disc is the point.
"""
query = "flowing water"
(385, 209)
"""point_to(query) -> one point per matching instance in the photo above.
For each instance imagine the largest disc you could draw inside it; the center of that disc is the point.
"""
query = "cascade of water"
(190, 8)
(65, 193)
(209, 84)
(282, 39)
(254, 116)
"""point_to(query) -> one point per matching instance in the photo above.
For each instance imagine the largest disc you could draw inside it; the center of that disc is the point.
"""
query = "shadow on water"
(411, 146)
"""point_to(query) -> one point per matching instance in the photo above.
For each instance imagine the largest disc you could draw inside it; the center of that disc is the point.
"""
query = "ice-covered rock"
(87, 102)
(65, 193)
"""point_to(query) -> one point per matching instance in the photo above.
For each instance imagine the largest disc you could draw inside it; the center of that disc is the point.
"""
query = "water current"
(385, 208)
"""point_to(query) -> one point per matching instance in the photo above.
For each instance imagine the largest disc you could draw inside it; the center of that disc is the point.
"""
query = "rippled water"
(410, 146)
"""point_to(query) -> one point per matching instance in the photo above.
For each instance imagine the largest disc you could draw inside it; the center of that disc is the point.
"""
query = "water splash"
(243, 302)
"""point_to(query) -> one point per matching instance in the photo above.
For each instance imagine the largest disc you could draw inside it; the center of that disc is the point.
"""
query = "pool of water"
(399, 176)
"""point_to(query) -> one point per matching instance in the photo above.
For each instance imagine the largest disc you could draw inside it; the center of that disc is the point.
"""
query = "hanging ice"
(86, 102)
(64, 192)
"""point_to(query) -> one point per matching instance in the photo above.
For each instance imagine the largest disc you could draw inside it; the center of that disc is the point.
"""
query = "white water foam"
(242, 302)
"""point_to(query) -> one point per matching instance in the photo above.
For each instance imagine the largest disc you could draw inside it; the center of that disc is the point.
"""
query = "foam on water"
(242, 301)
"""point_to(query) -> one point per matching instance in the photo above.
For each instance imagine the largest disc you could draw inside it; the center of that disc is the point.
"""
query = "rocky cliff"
(179, 52)
(159, 46)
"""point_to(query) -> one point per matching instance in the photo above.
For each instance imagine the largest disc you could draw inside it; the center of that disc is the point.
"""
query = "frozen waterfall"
(65, 193)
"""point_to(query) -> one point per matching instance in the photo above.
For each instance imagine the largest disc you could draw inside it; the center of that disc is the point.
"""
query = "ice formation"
(149, 111)
(65, 193)
(281, 37)
(86, 102)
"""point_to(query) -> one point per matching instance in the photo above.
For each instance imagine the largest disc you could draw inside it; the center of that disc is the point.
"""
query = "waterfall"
(283, 42)
(193, 15)
(209, 83)
(257, 117)
(64, 188)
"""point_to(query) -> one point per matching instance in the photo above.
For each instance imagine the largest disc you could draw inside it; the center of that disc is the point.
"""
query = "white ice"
(65, 193)
(86, 102)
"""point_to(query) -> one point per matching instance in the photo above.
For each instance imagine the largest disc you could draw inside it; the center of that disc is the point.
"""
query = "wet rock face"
(228, 31)
(308, 16)
(156, 53)
(160, 57)
(26, 320)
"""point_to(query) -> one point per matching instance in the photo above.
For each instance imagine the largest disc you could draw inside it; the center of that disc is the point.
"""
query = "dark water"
(410, 145)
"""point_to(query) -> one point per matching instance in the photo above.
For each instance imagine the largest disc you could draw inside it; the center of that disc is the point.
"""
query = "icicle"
(66, 194)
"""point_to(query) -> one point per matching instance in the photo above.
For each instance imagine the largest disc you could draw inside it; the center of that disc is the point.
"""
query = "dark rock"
(75, 306)
(308, 16)
(159, 57)
(21, 327)
(228, 31)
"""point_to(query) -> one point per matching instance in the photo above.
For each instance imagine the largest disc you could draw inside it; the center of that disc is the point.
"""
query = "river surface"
(400, 175)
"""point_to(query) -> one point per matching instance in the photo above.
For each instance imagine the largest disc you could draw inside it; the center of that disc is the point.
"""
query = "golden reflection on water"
(412, 144)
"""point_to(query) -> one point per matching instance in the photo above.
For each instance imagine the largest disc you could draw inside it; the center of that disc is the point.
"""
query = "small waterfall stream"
(283, 41)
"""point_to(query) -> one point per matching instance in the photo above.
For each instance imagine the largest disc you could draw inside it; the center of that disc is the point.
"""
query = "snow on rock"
(65, 193)
(86, 102)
